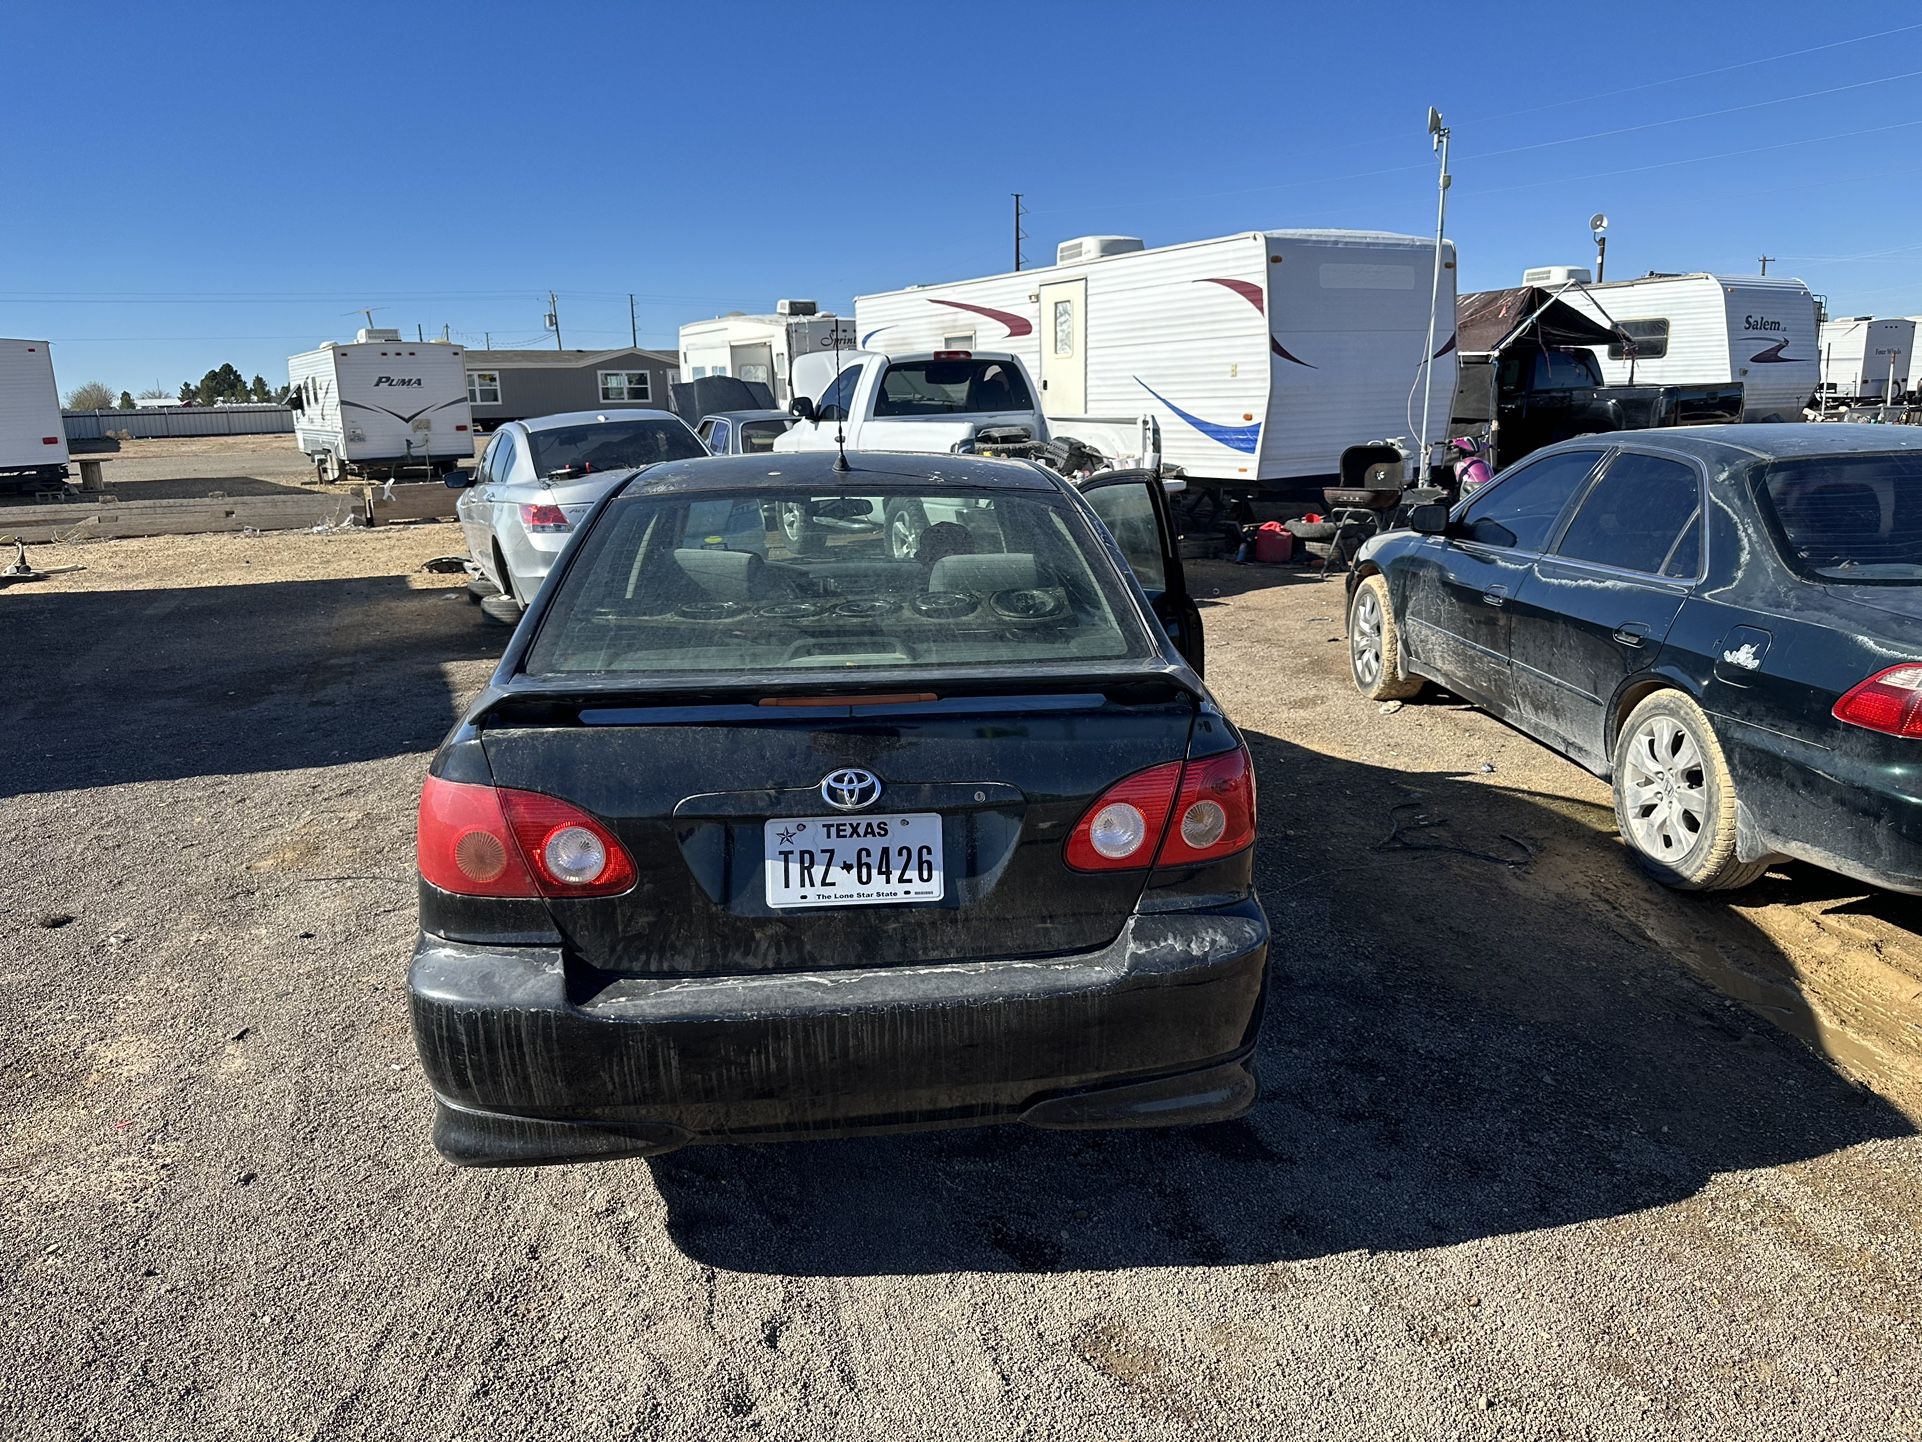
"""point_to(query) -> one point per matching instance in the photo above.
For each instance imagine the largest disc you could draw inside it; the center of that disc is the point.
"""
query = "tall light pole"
(1598, 227)
(1438, 134)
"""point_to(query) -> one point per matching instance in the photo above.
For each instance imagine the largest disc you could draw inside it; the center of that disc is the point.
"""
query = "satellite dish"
(1598, 222)
(1434, 121)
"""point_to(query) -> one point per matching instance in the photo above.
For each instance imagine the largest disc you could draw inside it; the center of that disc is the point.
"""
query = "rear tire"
(1374, 645)
(801, 532)
(906, 520)
(1675, 800)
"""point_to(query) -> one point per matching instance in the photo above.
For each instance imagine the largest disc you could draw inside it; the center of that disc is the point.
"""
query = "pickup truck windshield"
(791, 583)
(951, 387)
(568, 451)
(1849, 518)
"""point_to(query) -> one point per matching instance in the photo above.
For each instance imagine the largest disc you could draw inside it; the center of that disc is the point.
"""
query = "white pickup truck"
(932, 402)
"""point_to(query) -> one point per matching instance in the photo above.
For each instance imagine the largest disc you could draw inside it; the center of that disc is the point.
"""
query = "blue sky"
(192, 191)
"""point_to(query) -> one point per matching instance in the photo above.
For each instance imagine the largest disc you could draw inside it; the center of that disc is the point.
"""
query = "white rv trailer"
(1758, 332)
(1262, 356)
(762, 347)
(33, 436)
(380, 405)
(1865, 359)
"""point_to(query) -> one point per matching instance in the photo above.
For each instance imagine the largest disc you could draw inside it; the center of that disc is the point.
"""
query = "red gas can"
(1273, 544)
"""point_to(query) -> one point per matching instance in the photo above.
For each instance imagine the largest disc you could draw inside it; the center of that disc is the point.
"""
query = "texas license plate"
(853, 861)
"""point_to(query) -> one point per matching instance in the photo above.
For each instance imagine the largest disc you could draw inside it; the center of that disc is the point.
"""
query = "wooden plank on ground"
(414, 501)
(105, 518)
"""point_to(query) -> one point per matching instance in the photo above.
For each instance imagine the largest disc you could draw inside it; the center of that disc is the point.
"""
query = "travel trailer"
(33, 436)
(762, 348)
(1262, 356)
(1755, 331)
(381, 406)
(1865, 359)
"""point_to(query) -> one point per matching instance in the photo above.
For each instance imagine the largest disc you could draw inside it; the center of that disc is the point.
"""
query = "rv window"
(1648, 337)
(619, 386)
(484, 388)
(952, 387)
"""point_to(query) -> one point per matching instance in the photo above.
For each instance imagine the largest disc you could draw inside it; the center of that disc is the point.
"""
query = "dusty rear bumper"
(1154, 1030)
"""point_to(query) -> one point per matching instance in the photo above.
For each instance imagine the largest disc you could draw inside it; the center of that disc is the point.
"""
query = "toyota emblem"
(850, 789)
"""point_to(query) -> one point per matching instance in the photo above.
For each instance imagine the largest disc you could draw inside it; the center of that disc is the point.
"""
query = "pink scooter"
(1471, 471)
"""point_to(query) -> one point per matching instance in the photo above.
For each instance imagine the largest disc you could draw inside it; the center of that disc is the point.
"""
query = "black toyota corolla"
(747, 840)
(1726, 621)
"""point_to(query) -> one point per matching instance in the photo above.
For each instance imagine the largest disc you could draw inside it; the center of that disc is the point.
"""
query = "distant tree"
(126, 401)
(189, 393)
(93, 396)
(280, 396)
(154, 393)
(260, 391)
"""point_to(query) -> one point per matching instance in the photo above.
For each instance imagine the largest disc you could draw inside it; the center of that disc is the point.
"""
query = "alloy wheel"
(1665, 789)
(1364, 639)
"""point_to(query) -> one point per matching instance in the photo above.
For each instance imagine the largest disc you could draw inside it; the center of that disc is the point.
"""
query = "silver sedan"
(538, 478)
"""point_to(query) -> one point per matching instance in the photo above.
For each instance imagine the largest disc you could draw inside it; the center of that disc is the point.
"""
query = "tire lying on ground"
(1312, 530)
(1675, 798)
(1374, 644)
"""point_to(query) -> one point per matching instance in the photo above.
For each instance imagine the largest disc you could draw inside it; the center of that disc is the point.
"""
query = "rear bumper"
(1859, 815)
(1154, 1030)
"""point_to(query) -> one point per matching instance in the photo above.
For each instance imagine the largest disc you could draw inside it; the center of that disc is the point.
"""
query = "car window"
(503, 458)
(759, 436)
(717, 438)
(1521, 508)
(484, 468)
(791, 582)
(1128, 512)
(952, 387)
(837, 398)
(1636, 517)
(569, 452)
(1848, 518)
(1560, 370)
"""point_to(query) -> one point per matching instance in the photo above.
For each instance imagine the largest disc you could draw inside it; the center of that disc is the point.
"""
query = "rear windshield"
(951, 387)
(1849, 518)
(757, 436)
(568, 451)
(791, 583)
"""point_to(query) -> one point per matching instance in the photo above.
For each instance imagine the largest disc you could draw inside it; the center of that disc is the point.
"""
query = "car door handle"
(1631, 634)
(1495, 595)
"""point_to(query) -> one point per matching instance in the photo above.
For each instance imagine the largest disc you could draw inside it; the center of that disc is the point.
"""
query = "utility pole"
(633, 326)
(446, 331)
(554, 318)
(420, 334)
(1019, 234)
(1765, 263)
(488, 337)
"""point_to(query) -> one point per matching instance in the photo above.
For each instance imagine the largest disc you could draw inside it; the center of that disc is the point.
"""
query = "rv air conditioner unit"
(1553, 275)
(1094, 247)
(796, 307)
(367, 333)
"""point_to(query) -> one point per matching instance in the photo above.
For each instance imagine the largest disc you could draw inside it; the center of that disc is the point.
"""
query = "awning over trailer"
(1491, 320)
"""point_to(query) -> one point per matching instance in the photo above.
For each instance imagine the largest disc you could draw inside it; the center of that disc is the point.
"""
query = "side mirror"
(459, 479)
(1429, 519)
(802, 407)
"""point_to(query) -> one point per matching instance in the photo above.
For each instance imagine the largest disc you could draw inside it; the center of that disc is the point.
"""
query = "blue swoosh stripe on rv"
(1246, 439)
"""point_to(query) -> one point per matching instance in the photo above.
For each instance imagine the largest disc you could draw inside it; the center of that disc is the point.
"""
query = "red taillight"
(460, 428)
(1174, 814)
(954, 355)
(488, 841)
(545, 518)
(1890, 702)
(50, 440)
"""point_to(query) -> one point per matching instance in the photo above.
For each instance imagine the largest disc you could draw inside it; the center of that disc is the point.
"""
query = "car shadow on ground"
(1455, 1049)
(118, 686)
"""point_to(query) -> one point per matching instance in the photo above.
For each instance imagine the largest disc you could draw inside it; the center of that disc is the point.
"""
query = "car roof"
(588, 418)
(867, 471)
(1725, 445)
(745, 416)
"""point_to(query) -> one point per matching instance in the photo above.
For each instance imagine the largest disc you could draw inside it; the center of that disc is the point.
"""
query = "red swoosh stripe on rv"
(1251, 293)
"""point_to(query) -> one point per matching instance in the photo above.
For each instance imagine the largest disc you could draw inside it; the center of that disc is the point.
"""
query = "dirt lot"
(190, 468)
(1518, 1173)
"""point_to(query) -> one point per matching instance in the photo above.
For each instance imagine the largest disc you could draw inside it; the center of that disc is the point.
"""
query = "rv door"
(1064, 348)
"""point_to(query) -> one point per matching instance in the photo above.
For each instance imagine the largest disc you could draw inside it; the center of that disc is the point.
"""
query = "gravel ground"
(189, 468)
(1517, 1173)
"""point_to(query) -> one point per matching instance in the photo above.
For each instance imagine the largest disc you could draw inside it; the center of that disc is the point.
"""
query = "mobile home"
(33, 436)
(1865, 359)
(381, 406)
(1262, 356)
(512, 385)
(762, 348)
(1755, 331)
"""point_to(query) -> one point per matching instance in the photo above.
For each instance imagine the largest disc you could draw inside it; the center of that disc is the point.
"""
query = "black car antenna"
(840, 419)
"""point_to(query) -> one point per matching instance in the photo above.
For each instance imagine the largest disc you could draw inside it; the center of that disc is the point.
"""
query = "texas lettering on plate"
(853, 860)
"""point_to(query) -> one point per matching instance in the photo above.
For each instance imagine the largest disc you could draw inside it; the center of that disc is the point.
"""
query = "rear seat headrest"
(1014, 571)
(722, 575)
